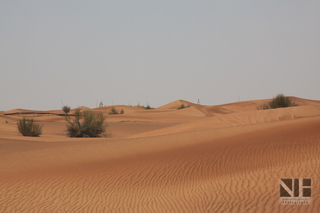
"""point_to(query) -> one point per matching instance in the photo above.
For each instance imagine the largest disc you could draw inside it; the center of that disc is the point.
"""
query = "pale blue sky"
(215, 51)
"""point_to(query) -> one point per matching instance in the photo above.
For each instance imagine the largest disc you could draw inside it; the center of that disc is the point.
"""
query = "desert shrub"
(182, 106)
(113, 111)
(147, 107)
(121, 112)
(263, 106)
(28, 128)
(279, 101)
(66, 109)
(86, 124)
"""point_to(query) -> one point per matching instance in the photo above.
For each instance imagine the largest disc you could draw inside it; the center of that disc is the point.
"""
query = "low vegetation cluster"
(113, 111)
(182, 106)
(27, 127)
(279, 101)
(83, 124)
(147, 107)
(86, 124)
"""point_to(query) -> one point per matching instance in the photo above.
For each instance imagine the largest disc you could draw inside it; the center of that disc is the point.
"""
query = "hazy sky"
(159, 51)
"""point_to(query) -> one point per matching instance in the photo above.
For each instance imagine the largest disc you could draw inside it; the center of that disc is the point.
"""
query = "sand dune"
(81, 108)
(239, 119)
(213, 110)
(119, 107)
(226, 158)
(176, 104)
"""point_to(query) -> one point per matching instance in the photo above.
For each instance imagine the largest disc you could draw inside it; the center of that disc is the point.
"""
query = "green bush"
(113, 111)
(121, 112)
(147, 107)
(182, 106)
(28, 128)
(279, 101)
(86, 124)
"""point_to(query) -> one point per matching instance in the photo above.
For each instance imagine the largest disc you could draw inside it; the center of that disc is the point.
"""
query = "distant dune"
(226, 158)
(81, 108)
(176, 104)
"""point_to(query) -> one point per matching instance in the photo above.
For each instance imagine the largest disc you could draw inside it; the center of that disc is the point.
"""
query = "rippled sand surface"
(226, 158)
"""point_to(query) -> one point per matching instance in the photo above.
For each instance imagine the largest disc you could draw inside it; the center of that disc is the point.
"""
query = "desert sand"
(226, 158)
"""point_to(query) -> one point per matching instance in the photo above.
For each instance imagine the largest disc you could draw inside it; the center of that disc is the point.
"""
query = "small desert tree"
(66, 109)
(86, 124)
(28, 128)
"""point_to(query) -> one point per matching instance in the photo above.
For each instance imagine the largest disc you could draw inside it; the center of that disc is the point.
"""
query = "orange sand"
(226, 158)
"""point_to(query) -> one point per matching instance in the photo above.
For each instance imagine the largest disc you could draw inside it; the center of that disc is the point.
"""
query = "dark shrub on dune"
(182, 106)
(113, 111)
(28, 128)
(86, 124)
(279, 101)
